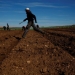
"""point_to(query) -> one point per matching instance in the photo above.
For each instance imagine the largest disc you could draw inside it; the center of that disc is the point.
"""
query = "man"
(4, 27)
(8, 27)
(30, 17)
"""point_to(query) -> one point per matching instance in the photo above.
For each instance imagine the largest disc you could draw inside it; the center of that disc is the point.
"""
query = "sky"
(47, 12)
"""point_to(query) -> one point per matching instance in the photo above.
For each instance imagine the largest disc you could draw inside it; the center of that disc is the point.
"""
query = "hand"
(23, 20)
(35, 21)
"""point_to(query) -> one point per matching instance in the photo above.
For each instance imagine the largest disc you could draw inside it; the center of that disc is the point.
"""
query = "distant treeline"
(19, 28)
(64, 26)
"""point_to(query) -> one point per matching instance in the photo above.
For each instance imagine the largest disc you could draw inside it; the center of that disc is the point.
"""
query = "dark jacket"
(30, 17)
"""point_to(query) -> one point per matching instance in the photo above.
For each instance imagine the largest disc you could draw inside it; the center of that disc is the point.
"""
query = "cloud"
(5, 6)
(4, 11)
(14, 11)
(19, 11)
(11, 20)
(63, 15)
(37, 4)
(1, 1)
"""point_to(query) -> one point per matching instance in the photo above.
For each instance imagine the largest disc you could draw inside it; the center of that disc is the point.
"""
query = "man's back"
(30, 16)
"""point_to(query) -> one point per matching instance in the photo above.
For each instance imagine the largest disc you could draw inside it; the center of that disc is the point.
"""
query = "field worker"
(8, 27)
(4, 27)
(30, 17)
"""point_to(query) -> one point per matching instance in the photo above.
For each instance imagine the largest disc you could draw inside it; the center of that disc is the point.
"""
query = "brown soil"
(50, 54)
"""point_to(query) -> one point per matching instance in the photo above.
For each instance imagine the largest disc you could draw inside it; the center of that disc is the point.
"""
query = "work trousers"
(34, 27)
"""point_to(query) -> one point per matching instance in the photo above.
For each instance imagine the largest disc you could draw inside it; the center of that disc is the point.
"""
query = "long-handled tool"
(21, 22)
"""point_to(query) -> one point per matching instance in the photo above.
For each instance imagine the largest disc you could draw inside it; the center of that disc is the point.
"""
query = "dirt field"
(50, 54)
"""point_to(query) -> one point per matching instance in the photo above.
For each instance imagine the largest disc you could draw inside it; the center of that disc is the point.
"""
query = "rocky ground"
(50, 54)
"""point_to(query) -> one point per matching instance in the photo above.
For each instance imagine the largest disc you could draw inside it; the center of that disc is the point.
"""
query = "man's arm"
(25, 19)
(34, 18)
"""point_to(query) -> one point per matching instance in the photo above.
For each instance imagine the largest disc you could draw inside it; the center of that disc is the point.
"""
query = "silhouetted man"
(8, 27)
(4, 27)
(30, 17)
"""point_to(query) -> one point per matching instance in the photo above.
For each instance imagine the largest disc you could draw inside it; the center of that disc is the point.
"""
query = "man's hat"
(27, 9)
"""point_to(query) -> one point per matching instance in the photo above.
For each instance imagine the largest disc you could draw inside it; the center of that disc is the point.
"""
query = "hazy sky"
(48, 12)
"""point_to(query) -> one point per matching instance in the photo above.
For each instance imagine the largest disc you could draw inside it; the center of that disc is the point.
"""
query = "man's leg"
(37, 29)
(26, 30)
